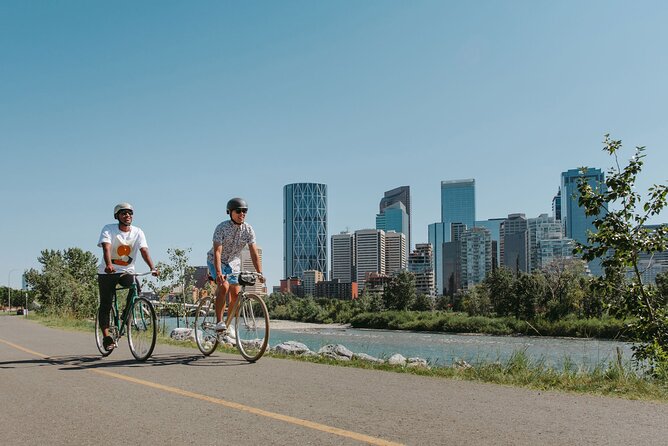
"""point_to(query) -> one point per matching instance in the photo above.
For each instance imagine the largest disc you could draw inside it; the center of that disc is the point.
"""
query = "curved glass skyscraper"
(304, 228)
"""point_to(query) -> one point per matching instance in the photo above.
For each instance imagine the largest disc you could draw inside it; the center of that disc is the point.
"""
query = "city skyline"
(180, 107)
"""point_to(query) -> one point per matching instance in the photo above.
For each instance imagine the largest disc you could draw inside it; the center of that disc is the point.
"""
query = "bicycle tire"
(142, 329)
(98, 332)
(205, 326)
(252, 327)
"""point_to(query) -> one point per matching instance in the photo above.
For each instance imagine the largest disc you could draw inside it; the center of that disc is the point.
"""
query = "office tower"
(247, 265)
(493, 225)
(542, 228)
(394, 218)
(475, 256)
(457, 204)
(436, 238)
(421, 264)
(576, 223)
(452, 268)
(556, 206)
(343, 257)
(515, 243)
(304, 228)
(401, 194)
(395, 252)
(369, 253)
(309, 280)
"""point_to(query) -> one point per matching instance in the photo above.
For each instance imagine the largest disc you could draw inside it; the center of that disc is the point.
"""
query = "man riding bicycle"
(120, 243)
(224, 258)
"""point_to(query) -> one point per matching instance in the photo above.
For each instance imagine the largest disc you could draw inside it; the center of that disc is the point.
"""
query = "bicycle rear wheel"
(252, 327)
(142, 329)
(205, 326)
(98, 332)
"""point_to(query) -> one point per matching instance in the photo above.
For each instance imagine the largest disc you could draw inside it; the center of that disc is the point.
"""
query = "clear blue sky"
(176, 106)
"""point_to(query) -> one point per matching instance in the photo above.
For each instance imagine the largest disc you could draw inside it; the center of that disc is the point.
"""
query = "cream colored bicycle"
(251, 321)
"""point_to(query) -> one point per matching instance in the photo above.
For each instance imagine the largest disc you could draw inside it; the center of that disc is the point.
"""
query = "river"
(445, 349)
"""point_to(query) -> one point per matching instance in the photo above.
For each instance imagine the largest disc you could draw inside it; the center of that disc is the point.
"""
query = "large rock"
(369, 358)
(397, 359)
(292, 348)
(417, 362)
(338, 352)
(182, 334)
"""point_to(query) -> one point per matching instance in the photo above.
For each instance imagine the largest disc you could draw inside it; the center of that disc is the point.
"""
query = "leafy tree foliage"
(476, 301)
(499, 284)
(400, 292)
(67, 283)
(621, 235)
(423, 302)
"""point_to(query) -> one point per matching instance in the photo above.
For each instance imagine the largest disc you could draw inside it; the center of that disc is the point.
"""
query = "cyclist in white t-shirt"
(121, 243)
(224, 258)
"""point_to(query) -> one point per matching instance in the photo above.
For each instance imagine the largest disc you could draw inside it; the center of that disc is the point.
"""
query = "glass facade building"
(304, 228)
(457, 204)
(401, 194)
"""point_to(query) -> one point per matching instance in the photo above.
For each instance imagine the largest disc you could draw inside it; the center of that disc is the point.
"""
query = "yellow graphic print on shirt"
(120, 251)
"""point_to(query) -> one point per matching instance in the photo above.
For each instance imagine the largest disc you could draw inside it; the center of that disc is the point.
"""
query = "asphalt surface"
(56, 390)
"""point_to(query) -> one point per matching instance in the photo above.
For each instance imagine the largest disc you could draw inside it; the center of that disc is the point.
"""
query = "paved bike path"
(56, 389)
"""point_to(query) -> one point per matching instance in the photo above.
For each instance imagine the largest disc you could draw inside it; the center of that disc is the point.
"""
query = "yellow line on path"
(232, 405)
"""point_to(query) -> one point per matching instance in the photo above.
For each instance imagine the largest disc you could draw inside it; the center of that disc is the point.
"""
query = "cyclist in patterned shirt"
(229, 238)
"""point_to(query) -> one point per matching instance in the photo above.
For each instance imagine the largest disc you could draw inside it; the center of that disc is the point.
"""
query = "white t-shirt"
(125, 247)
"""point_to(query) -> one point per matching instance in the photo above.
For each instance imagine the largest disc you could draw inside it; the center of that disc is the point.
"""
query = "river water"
(445, 349)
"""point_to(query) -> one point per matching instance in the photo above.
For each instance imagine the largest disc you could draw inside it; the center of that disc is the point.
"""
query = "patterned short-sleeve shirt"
(233, 238)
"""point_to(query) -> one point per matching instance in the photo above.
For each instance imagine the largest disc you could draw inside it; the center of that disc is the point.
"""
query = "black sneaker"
(108, 343)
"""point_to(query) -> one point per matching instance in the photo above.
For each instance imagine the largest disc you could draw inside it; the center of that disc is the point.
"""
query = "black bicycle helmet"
(236, 203)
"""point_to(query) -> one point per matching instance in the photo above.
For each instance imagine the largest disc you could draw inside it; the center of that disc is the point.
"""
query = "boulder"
(397, 359)
(292, 348)
(338, 352)
(417, 362)
(369, 358)
(461, 364)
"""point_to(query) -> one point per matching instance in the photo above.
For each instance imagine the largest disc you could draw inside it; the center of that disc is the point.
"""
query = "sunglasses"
(241, 211)
(125, 212)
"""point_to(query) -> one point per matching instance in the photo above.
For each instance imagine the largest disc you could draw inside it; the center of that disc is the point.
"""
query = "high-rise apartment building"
(515, 243)
(475, 256)
(421, 264)
(304, 228)
(369, 253)
(457, 204)
(550, 250)
(401, 194)
(395, 252)
(541, 228)
(247, 265)
(309, 280)
(343, 257)
(493, 225)
(436, 238)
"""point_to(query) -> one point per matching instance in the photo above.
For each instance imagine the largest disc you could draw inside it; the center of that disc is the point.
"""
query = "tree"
(423, 302)
(528, 290)
(175, 275)
(476, 302)
(400, 292)
(500, 284)
(67, 283)
(621, 235)
(563, 291)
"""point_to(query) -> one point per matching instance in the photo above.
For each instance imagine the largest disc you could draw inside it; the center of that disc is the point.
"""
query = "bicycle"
(251, 321)
(139, 318)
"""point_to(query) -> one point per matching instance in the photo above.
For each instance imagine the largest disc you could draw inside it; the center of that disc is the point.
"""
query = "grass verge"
(615, 379)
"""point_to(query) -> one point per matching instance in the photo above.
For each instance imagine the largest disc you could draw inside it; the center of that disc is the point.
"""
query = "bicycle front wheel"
(98, 332)
(205, 326)
(252, 327)
(142, 329)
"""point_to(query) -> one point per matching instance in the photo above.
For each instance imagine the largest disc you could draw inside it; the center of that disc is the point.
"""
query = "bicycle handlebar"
(137, 274)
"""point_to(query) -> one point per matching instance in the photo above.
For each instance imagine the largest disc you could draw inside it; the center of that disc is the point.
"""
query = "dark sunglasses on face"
(241, 211)
(125, 212)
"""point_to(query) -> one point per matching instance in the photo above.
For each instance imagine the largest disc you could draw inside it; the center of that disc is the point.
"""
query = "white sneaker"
(220, 326)
(231, 333)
